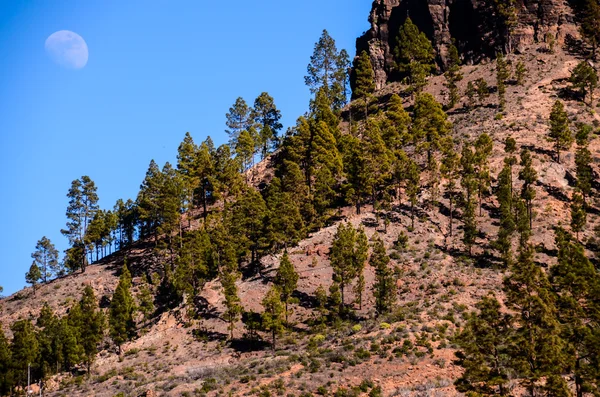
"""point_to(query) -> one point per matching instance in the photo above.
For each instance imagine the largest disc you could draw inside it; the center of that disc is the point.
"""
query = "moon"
(67, 49)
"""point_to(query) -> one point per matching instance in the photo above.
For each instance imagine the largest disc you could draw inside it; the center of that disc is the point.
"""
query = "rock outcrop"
(473, 24)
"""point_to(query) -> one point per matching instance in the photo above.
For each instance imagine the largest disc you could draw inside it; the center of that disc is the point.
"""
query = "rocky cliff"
(474, 24)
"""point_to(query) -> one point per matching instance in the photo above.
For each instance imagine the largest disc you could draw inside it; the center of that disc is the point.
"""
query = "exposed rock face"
(472, 23)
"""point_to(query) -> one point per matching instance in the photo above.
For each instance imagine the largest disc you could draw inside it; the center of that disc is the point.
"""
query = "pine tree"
(273, 315)
(359, 259)
(506, 10)
(348, 254)
(148, 202)
(450, 172)
(583, 159)
(384, 288)
(453, 76)
(145, 301)
(6, 373)
(529, 176)
(485, 354)
(238, 119)
(507, 221)
(122, 307)
(502, 74)
(470, 93)
(83, 204)
(585, 79)
(33, 276)
(590, 25)
(520, 73)
(483, 90)
(46, 258)
(24, 351)
(413, 184)
(71, 351)
(364, 84)
(266, 116)
(469, 184)
(395, 133)
(430, 124)
(576, 281)
(414, 55)
(284, 223)
(248, 215)
(92, 326)
(578, 213)
(560, 133)
(483, 150)
(537, 349)
(328, 70)
(286, 280)
(228, 277)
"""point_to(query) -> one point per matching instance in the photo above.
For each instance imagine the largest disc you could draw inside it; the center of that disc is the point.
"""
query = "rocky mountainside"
(411, 351)
(473, 24)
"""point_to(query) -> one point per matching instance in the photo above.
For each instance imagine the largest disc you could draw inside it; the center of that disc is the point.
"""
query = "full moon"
(67, 49)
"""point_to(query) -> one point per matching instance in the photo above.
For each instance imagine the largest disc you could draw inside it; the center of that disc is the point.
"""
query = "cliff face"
(472, 23)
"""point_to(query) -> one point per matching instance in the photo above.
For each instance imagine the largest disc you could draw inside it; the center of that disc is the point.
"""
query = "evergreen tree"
(46, 258)
(413, 184)
(507, 221)
(266, 116)
(364, 84)
(506, 11)
(536, 349)
(583, 159)
(239, 118)
(145, 301)
(502, 74)
(469, 184)
(25, 351)
(590, 24)
(483, 90)
(585, 78)
(359, 259)
(228, 277)
(92, 326)
(560, 133)
(384, 288)
(148, 205)
(33, 276)
(286, 280)
(248, 215)
(348, 254)
(284, 223)
(576, 281)
(470, 93)
(414, 55)
(483, 150)
(273, 315)
(327, 70)
(453, 75)
(83, 204)
(244, 150)
(395, 132)
(529, 176)
(430, 124)
(122, 307)
(450, 172)
(485, 350)
(48, 338)
(520, 73)
(71, 352)
(6, 373)
(578, 214)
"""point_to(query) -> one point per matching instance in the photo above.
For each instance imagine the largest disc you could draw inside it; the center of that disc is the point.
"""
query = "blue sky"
(156, 69)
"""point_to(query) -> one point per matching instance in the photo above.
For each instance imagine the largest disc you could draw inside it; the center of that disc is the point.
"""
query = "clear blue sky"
(156, 69)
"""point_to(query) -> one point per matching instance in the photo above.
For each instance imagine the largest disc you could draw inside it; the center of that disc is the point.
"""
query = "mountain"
(185, 349)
